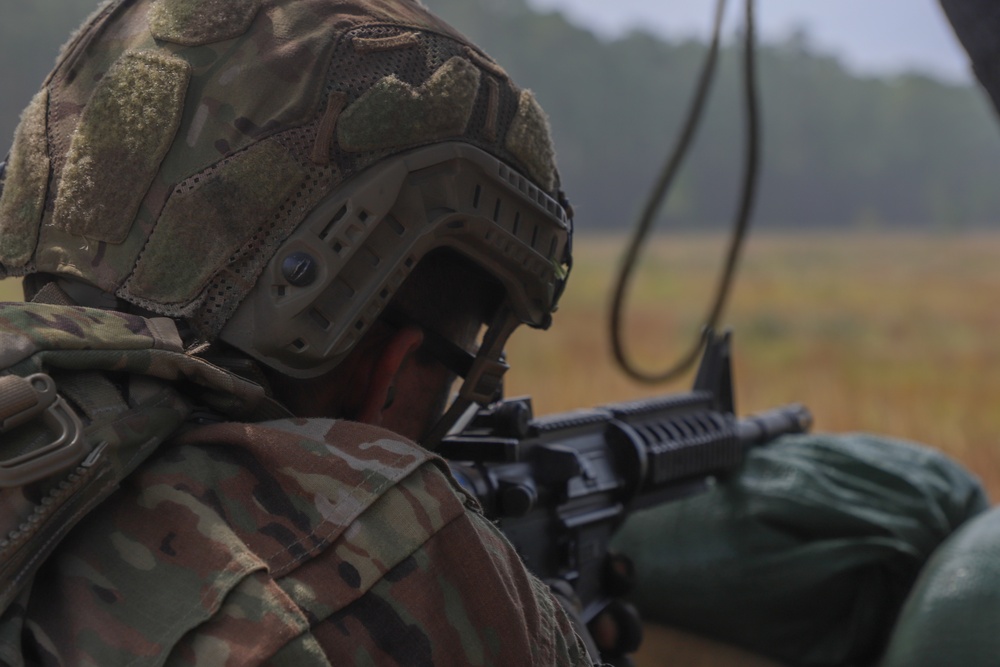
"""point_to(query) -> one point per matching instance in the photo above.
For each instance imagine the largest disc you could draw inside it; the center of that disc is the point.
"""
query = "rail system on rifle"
(559, 486)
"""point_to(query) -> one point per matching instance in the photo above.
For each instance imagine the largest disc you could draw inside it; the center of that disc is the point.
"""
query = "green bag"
(808, 553)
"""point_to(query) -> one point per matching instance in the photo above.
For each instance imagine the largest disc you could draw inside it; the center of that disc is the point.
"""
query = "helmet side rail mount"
(337, 272)
(366, 239)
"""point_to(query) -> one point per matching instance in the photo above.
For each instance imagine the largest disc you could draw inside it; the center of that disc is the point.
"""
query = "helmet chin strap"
(484, 383)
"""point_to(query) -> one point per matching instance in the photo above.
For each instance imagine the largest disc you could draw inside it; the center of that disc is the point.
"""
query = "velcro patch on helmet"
(530, 141)
(392, 113)
(199, 22)
(25, 185)
(209, 218)
(125, 131)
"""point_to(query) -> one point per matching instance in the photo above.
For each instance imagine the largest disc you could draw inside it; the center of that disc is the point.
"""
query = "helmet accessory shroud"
(362, 242)
(366, 237)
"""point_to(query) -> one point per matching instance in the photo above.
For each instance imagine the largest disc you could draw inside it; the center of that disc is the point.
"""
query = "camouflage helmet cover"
(178, 144)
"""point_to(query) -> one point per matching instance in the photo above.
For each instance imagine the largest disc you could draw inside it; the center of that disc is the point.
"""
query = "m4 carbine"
(559, 486)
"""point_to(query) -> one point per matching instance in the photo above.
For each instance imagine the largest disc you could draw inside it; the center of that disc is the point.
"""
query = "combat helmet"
(268, 172)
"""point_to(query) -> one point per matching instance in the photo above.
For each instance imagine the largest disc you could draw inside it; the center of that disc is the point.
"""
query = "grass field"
(882, 333)
(895, 334)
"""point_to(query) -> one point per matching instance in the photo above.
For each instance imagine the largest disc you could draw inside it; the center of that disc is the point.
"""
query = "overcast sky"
(870, 36)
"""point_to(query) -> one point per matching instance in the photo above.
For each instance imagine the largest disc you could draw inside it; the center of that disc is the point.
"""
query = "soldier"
(240, 221)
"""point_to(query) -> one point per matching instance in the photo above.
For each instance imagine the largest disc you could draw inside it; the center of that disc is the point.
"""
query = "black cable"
(658, 194)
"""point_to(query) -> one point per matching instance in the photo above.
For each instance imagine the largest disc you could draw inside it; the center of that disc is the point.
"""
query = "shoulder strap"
(51, 475)
(63, 453)
(63, 437)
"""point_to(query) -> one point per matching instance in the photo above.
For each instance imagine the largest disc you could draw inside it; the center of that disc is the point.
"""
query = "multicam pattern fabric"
(187, 108)
(36, 337)
(299, 542)
(305, 542)
(74, 345)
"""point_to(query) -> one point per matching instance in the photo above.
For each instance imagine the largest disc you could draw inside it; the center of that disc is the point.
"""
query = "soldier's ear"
(389, 363)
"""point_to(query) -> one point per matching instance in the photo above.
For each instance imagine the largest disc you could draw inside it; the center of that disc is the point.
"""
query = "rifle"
(559, 486)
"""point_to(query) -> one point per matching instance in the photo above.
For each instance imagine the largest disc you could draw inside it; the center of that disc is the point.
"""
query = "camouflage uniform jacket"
(288, 541)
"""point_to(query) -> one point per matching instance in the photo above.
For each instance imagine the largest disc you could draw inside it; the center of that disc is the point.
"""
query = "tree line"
(838, 149)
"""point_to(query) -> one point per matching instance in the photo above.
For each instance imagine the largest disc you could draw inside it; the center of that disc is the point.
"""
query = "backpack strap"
(51, 473)
(67, 451)
(93, 393)
(53, 479)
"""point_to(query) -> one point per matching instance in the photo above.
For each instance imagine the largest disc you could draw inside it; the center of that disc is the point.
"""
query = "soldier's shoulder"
(287, 488)
(231, 514)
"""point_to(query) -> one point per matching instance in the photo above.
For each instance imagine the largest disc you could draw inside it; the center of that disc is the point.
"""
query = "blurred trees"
(838, 149)
(31, 32)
